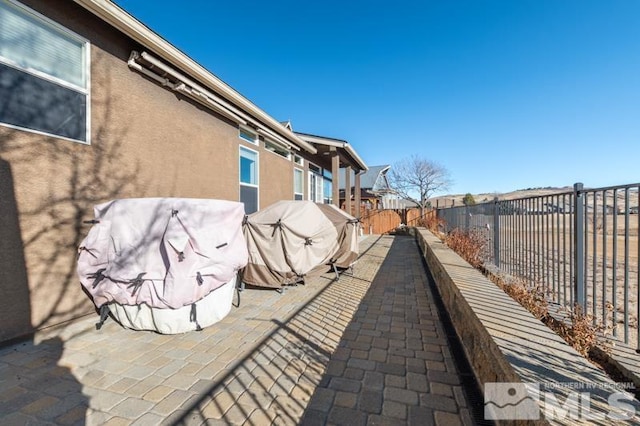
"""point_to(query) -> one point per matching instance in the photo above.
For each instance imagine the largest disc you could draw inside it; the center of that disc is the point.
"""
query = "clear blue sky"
(505, 94)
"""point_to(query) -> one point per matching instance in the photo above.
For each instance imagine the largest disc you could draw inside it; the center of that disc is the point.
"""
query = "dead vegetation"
(577, 328)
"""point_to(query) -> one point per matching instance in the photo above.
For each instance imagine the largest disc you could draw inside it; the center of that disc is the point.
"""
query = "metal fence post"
(496, 232)
(578, 238)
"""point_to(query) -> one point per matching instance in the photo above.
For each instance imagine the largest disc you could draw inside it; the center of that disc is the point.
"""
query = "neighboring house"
(392, 201)
(375, 192)
(95, 106)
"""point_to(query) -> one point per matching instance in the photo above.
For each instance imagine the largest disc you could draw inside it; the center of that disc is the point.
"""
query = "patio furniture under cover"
(291, 239)
(163, 264)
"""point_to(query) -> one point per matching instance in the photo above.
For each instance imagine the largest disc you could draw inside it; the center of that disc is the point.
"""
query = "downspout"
(279, 140)
(115, 16)
(136, 66)
(158, 64)
(205, 100)
(198, 93)
(182, 88)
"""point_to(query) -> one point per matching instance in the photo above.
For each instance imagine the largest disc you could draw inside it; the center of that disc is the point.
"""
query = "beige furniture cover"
(291, 239)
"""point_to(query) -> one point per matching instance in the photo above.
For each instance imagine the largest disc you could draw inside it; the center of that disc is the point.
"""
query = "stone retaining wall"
(505, 343)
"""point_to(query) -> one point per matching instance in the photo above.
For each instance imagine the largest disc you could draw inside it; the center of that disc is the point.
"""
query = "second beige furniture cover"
(291, 239)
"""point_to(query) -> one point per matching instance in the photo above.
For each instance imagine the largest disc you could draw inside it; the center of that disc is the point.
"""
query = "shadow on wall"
(37, 388)
(54, 186)
(15, 317)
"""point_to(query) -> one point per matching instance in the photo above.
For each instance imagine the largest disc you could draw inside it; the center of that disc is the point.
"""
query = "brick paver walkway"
(367, 349)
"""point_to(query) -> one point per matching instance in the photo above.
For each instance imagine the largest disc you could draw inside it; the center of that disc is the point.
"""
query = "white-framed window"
(320, 184)
(298, 160)
(276, 149)
(315, 183)
(327, 186)
(44, 75)
(298, 184)
(248, 135)
(315, 187)
(315, 169)
(249, 179)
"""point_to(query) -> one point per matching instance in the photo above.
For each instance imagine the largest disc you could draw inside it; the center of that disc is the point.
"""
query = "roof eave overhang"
(352, 152)
(121, 20)
(338, 144)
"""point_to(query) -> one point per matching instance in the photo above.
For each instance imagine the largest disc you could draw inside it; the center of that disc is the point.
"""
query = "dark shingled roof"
(367, 179)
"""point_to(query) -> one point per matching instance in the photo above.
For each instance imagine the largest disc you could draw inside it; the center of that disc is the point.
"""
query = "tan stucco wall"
(276, 178)
(146, 142)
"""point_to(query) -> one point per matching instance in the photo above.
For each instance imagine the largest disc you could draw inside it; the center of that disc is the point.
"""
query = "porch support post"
(335, 177)
(357, 195)
(347, 189)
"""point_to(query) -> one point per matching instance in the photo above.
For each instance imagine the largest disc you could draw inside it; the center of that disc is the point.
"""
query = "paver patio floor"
(366, 349)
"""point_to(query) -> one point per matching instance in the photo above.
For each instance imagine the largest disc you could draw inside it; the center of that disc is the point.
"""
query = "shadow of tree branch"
(56, 184)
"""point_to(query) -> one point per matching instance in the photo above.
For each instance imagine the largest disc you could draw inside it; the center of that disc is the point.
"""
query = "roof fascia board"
(273, 138)
(121, 20)
(337, 143)
(352, 152)
(320, 139)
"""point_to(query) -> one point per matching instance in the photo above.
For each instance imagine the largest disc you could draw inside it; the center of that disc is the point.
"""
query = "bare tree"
(416, 178)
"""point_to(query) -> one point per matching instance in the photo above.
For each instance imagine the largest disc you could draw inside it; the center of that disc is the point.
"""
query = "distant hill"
(456, 199)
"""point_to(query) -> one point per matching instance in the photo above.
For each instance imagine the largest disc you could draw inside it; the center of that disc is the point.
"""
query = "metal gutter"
(124, 22)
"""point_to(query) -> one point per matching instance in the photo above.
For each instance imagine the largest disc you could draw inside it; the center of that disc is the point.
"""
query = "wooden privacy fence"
(380, 221)
(383, 221)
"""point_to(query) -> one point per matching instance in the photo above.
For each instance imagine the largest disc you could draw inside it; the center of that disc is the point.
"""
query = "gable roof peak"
(287, 124)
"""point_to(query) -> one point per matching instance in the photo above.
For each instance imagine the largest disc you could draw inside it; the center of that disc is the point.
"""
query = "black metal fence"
(578, 246)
